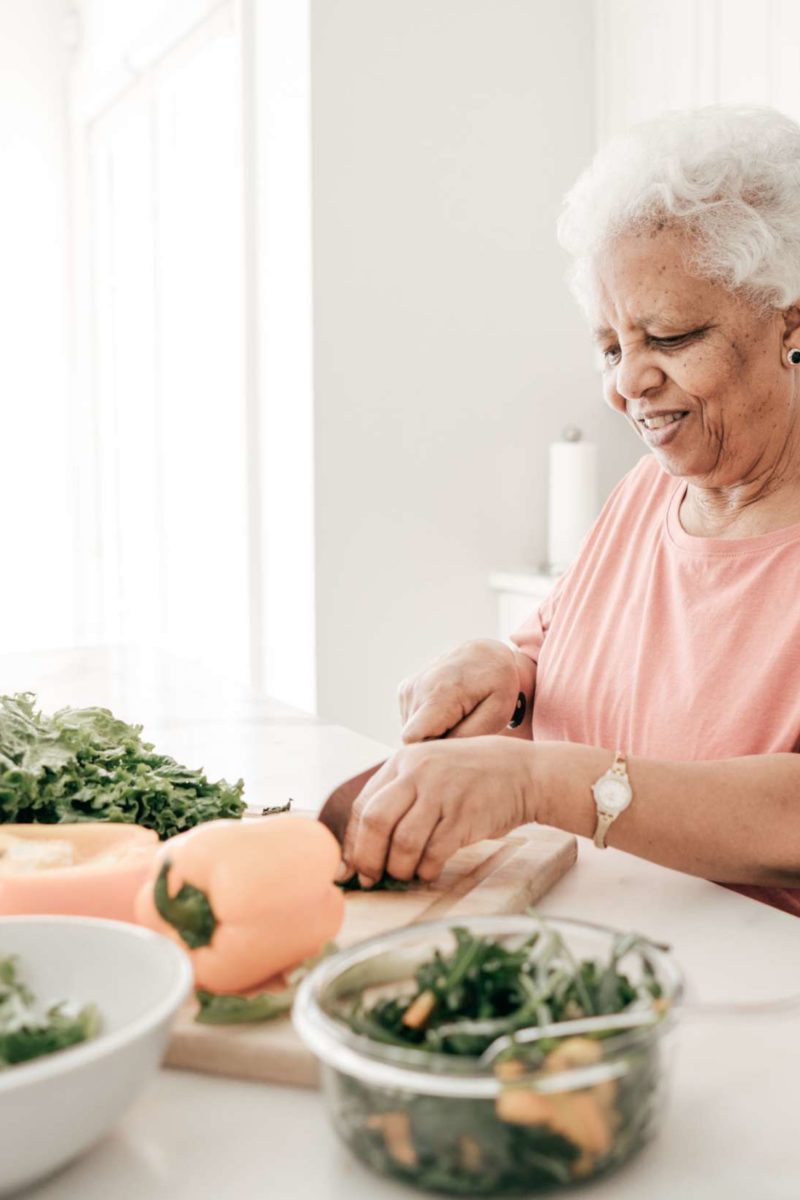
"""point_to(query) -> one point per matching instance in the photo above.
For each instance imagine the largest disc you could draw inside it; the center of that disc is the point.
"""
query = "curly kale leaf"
(83, 764)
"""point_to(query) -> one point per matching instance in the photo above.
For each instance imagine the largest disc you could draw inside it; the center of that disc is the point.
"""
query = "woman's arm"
(734, 820)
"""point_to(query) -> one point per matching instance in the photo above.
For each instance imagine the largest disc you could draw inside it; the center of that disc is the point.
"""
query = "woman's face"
(672, 343)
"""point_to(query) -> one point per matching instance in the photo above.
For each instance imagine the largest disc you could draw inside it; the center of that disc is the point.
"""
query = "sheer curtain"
(167, 514)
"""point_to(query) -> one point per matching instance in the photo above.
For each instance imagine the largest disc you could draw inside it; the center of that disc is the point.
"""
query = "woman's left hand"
(430, 799)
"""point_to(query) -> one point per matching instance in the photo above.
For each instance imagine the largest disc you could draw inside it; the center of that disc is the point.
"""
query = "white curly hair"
(728, 175)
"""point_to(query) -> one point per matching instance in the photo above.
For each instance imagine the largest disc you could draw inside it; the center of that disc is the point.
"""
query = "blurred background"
(284, 337)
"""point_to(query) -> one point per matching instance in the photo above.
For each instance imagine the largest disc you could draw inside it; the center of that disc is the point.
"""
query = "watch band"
(619, 767)
(604, 821)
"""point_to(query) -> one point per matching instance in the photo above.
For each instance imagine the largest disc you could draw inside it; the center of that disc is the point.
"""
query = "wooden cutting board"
(502, 876)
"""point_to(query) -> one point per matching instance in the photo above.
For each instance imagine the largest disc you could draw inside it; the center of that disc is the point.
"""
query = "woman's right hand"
(470, 691)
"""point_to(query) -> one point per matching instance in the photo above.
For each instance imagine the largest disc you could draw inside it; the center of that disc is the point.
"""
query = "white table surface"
(731, 1130)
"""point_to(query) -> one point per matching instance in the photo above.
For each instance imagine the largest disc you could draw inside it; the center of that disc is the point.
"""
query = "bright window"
(165, 238)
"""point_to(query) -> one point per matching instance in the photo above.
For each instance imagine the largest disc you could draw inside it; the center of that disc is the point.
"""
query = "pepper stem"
(188, 911)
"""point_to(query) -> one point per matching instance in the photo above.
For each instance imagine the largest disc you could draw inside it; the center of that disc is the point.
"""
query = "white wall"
(448, 352)
(36, 581)
(654, 55)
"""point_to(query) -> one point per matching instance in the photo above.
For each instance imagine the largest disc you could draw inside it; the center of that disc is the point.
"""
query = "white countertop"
(731, 1129)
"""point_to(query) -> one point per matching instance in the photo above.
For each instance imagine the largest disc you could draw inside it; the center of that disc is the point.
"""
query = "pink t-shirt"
(671, 646)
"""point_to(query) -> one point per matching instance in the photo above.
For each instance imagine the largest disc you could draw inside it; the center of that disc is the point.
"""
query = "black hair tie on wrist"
(519, 712)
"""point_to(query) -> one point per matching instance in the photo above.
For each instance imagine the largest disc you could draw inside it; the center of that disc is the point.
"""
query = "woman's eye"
(679, 339)
(611, 354)
(670, 341)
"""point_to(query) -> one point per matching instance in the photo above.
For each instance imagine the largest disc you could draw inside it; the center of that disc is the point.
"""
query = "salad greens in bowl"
(508, 1055)
(85, 1010)
(28, 1030)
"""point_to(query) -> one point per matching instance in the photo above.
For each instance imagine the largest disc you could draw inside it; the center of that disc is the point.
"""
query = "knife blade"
(335, 812)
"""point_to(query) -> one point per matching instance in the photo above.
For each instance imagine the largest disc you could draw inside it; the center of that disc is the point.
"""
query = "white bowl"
(55, 1107)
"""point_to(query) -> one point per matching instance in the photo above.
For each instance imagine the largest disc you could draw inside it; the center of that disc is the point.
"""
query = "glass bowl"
(450, 1123)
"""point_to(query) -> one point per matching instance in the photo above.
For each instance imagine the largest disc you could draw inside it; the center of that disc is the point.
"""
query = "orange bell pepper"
(247, 899)
(82, 869)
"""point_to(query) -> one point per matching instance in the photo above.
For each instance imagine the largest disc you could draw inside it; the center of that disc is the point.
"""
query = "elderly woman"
(661, 678)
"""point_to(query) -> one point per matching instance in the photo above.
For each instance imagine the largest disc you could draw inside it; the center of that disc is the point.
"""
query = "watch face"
(612, 795)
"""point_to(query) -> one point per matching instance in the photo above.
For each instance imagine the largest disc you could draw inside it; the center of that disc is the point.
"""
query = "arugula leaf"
(483, 990)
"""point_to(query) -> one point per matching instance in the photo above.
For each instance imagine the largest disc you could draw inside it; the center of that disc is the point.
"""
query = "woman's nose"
(636, 374)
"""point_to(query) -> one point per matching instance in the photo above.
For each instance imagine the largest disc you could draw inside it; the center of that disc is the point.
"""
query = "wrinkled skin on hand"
(429, 800)
(468, 692)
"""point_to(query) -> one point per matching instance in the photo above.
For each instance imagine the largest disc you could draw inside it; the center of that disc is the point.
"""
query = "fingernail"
(343, 872)
(365, 881)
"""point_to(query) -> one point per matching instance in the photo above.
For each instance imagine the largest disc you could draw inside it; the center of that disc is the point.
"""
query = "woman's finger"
(375, 824)
(434, 718)
(381, 777)
(489, 717)
(442, 845)
(410, 838)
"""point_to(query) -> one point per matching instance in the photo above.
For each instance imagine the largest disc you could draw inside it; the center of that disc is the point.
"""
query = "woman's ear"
(791, 326)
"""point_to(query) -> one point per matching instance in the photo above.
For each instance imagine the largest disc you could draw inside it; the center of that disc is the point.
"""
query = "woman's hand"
(428, 801)
(472, 690)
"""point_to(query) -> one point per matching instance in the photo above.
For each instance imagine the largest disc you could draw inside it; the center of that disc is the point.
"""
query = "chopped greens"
(83, 764)
(272, 810)
(386, 883)
(26, 1032)
(464, 1001)
(527, 1138)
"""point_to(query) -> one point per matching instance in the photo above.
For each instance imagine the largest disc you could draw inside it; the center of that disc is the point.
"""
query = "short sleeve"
(531, 633)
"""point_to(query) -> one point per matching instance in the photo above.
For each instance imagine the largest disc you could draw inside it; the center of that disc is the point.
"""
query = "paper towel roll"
(572, 497)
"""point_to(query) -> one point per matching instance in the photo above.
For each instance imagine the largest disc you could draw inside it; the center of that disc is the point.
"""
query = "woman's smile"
(659, 431)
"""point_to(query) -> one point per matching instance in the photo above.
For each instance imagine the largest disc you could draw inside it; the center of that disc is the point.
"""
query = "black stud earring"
(794, 357)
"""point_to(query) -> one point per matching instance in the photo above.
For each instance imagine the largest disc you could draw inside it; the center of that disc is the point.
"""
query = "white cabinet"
(518, 594)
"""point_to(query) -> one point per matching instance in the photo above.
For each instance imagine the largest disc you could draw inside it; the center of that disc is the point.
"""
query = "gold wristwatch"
(612, 794)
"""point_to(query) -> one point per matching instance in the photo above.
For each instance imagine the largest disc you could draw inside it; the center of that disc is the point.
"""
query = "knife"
(335, 812)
